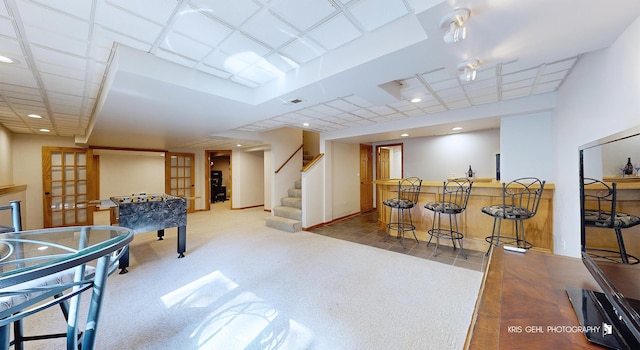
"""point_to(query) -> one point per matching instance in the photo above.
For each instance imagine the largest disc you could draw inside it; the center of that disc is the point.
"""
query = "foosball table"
(149, 212)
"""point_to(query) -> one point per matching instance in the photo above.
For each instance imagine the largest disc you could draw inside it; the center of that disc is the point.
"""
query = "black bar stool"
(520, 201)
(408, 192)
(454, 198)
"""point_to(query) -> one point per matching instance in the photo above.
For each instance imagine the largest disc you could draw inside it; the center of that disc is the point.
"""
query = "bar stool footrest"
(443, 232)
(500, 241)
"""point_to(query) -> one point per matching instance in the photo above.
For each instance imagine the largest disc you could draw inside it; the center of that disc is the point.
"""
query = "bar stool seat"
(602, 212)
(454, 198)
(407, 198)
(520, 201)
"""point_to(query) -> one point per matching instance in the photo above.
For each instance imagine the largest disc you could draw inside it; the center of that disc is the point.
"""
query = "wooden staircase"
(288, 216)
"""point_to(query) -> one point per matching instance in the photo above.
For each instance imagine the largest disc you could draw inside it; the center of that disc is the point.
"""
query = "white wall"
(268, 171)
(247, 182)
(526, 147)
(6, 158)
(599, 98)
(440, 157)
(346, 179)
(284, 143)
(123, 173)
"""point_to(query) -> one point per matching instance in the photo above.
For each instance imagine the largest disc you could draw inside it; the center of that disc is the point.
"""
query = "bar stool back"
(520, 201)
(408, 193)
(603, 213)
(453, 201)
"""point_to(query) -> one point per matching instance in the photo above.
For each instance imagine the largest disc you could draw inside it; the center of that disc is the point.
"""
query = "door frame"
(401, 155)
(207, 176)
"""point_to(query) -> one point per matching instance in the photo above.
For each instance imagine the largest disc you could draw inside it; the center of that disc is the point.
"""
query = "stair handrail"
(287, 161)
(312, 163)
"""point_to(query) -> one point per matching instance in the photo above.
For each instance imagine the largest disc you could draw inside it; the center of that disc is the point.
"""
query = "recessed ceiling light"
(456, 128)
(35, 116)
(238, 145)
(45, 130)
(5, 59)
(416, 100)
(404, 135)
(305, 124)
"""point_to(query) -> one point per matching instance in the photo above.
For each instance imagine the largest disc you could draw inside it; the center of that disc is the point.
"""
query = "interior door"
(366, 178)
(180, 177)
(383, 164)
(67, 183)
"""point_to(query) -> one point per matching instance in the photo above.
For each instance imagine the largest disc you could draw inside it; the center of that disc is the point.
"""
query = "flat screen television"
(611, 317)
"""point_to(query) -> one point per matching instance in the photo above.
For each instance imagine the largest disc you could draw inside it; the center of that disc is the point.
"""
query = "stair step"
(298, 184)
(288, 212)
(295, 202)
(295, 192)
(284, 224)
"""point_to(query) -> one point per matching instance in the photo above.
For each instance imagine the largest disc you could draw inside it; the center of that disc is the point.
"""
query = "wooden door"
(180, 177)
(383, 165)
(68, 186)
(366, 178)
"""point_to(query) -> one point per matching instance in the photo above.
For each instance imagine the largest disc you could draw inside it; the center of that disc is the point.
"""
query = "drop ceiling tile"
(436, 75)
(76, 8)
(162, 9)
(509, 94)
(435, 109)
(335, 32)
(62, 84)
(201, 27)
(173, 57)
(239, 80)
(520, 75)
(458, 104)
(185, 46)
(480, 84)
(527, 83)
(303, 50)
(303, 14)
(342, 105)
(281, 62)
(456, 91)
(381, 110)
(58, 58)
(373, 14)
(358, 101)
(54, 22)
(6, 28)
(411, 82)
(559, 75)
(546, 87)
(11, 48)
(269, 29)
(18, 76)
(445, 84)
(559, 65)
(116, 20)
(233, 12)
(238, 43)
(364, 113)
(46, 38)
(484, 99)
(106, 39)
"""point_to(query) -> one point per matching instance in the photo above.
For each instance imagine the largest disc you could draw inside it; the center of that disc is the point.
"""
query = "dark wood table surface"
(523, 303)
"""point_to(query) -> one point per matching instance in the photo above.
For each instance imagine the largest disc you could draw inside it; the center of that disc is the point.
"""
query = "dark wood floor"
(364, 229)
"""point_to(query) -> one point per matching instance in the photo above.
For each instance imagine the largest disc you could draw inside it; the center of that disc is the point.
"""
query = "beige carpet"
(245, 286)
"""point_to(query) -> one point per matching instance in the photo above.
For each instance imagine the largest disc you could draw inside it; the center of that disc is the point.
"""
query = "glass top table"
(63, 262)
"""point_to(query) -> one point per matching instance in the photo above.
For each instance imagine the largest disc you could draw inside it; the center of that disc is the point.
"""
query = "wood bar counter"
(472, 222)
(521, 296)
